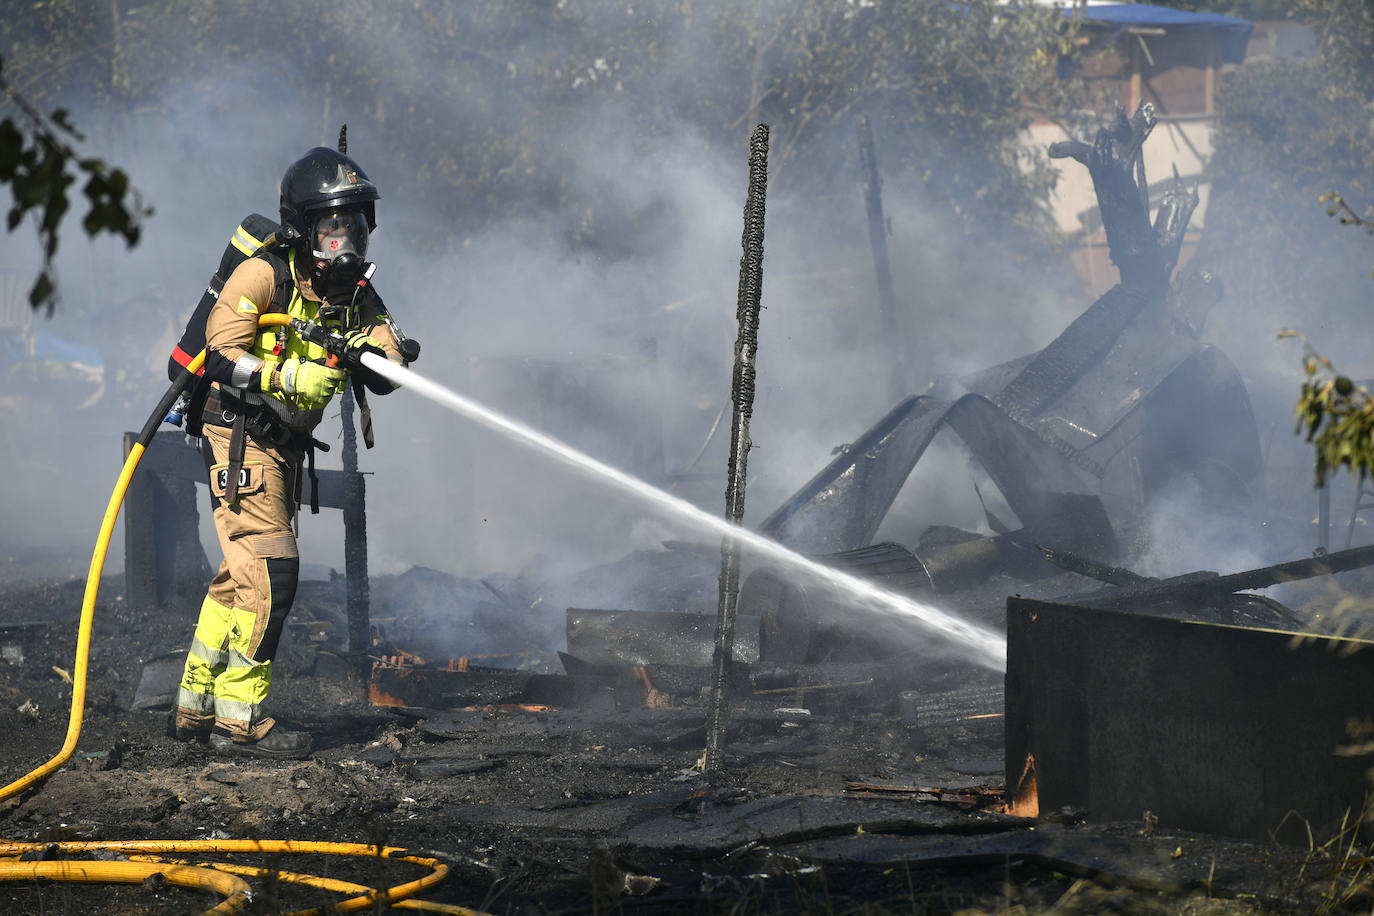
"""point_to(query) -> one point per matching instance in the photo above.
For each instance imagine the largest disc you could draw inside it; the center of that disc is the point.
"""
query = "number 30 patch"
(250, 478)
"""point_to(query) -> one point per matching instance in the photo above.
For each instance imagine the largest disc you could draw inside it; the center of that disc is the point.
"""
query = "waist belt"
(262, 423)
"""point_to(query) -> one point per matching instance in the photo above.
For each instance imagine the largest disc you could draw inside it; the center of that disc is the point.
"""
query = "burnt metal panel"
(842, 507)
(1217, 729)
(1190, 408)
(1077, 349)
(1140, 360)
(1155, 404)
(615, 637)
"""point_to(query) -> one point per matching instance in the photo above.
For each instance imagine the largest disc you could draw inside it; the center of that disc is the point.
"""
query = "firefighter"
(269, 391)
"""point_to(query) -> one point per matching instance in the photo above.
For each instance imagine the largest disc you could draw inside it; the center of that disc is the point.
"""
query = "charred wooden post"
(748, 304)
(162, 549)
(355, 519)
(882, 268)
(355, 541)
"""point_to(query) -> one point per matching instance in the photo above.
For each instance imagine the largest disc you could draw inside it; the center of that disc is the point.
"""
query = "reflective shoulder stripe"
(247, 305)
(241, 246)
(245, 242)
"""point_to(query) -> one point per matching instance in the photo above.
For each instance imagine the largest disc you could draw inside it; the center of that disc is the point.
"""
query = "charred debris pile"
(1080, 439)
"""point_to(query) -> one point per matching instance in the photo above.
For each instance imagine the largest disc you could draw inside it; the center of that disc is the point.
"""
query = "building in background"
(1176, 61)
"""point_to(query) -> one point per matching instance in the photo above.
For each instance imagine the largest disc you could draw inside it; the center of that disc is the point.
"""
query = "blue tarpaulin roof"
(1233, 33)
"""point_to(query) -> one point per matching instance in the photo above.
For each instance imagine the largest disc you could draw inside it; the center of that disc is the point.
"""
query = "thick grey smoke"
(627, 358)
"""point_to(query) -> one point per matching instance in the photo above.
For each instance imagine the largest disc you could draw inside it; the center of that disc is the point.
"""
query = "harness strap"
(283, 283)
(195, 407)
(314, 480)
(364, 413)
(237, 445)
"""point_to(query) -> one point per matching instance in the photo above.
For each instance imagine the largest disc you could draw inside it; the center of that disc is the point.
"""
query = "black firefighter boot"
(276, 744)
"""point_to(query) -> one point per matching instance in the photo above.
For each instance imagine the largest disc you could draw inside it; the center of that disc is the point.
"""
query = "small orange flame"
(1025, 800)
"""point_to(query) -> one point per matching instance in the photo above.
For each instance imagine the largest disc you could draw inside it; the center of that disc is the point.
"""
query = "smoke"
(1183, 539)
(616, 338)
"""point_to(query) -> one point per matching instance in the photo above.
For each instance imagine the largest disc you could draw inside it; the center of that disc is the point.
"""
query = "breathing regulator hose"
(203, 876)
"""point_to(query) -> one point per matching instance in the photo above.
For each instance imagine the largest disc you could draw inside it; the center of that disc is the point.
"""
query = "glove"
(359, 342)
(313, 384)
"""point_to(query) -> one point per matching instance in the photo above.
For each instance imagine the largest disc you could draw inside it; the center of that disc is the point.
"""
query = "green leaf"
(42, 291)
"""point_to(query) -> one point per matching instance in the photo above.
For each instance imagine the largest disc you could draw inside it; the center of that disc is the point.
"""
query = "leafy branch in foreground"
(1337, 207)
(1335, 414)
(39, 165)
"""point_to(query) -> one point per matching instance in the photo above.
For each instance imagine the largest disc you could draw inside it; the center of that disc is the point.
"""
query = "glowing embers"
(405, 680)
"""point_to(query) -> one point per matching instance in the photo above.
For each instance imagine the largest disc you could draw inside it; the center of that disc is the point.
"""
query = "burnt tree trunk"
(1145, 254)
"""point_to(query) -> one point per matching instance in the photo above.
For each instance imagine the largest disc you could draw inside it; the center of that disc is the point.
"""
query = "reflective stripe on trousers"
(221, 680)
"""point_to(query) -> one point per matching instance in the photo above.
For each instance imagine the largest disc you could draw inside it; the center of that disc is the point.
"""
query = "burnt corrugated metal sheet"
(842, 507)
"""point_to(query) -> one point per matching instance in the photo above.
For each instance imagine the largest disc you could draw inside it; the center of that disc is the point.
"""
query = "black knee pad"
(283, 573)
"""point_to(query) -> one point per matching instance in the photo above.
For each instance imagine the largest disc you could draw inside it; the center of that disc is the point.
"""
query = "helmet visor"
(339, 232)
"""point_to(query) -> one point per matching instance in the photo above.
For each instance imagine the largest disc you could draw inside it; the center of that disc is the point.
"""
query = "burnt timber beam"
(1199, 588)
(169, 454)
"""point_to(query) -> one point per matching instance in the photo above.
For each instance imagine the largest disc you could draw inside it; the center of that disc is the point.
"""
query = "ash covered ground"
(867, 804)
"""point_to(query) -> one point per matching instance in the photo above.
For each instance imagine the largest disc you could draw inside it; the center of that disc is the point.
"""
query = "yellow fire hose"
(233, 889)
(329, 884)
(221, 876)
(213, 877)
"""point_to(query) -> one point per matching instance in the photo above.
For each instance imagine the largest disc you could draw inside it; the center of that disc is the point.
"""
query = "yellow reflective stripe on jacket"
(245, 242)
(265, 342)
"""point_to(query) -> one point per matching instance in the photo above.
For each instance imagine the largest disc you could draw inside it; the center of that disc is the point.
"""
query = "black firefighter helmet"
(328, 207)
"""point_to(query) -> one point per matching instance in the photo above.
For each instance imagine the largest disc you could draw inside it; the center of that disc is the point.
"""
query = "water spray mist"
(978, 644)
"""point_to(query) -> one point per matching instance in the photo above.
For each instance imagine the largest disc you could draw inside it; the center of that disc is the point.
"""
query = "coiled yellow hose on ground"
(188, 875)
(234, 889)
(216, 878)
